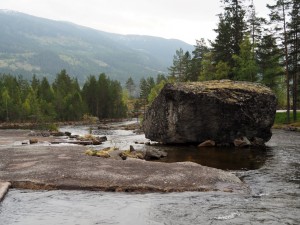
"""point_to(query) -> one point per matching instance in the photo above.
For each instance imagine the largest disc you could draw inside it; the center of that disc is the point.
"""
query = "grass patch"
(280, 118)
(281, 122)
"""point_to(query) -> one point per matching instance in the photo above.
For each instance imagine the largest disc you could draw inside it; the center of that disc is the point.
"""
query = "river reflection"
(228, 158)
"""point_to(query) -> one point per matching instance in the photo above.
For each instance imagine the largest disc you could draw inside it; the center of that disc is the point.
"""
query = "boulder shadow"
(225, 158)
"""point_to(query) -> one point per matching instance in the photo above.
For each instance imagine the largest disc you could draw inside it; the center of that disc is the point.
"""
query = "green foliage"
(269, 57)
(281, 118)
(67, 98)
(248, 50)
(145, 88)
(181, 68)
(213, 72)
(230, 33)
(90, 119)
(104, 97)
(130, 86)
(197, 59)
(62, 101)
(155, 90)
(245, 64)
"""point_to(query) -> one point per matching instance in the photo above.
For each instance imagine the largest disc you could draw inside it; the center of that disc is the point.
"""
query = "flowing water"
(273, 176)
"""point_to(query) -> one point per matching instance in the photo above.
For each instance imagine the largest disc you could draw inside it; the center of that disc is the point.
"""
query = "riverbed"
(273, 176)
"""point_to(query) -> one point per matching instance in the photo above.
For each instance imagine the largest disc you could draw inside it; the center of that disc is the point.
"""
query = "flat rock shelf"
(67, 167)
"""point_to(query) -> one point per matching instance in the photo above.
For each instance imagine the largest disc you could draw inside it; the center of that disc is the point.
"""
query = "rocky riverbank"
(46, 166)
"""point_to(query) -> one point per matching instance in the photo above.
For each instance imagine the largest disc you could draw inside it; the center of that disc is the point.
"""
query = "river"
(273, 176)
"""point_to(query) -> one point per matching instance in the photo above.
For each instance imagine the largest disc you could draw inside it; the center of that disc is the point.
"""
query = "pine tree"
(246, 67)
(208, 69)
(230, 33)
(180, 70)
(278, 17)
(255, 26)
(196, 62)
(269, 57)
(6, 99)
(130, 86)
(104, 107)
(90, 95)
(294, 52)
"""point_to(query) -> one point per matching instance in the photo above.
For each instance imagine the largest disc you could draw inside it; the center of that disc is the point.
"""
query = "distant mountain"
(32, 45)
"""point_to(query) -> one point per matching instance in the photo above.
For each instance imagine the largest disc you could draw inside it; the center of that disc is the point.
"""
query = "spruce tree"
(230, 33)
(294, 51)
(269, 56)
(180, 70)
(278, 17)
(196, 62)
(130, 86)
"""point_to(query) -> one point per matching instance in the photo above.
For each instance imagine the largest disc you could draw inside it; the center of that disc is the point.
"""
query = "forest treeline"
(63, 100)
(249, 48)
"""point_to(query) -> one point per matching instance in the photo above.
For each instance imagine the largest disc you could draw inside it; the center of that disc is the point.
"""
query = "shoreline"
(47, 167)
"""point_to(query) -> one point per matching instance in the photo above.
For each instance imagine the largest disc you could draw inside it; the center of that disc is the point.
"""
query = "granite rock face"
(222, 111)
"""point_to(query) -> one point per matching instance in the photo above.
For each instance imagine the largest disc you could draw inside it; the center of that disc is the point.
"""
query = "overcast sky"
(186, 20)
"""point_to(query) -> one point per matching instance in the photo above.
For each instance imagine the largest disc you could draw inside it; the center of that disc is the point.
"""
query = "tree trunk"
(295, 79)
(286, 67)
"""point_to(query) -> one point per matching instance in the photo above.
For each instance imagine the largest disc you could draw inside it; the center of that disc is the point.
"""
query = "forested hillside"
(31, 45)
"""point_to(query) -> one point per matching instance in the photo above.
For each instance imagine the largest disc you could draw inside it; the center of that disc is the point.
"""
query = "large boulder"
(222, 111)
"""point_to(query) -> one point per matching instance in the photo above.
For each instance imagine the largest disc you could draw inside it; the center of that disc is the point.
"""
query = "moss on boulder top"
(226, 90)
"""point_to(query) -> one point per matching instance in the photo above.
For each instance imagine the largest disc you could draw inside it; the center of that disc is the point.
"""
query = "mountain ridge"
(33, 45)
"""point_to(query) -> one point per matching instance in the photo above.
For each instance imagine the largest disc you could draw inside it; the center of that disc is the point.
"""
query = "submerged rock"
(222, 111)
(241, 142)
(153, 154)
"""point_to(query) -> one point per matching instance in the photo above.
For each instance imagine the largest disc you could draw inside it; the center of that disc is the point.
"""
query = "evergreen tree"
(130, 86)
(269, 57)
(210, 71)
(160, 77)
(208, 68)
(294, 52)
(6, 100)
(31, 106)
(117, 108)
(35, 82)
(45, 91)
(90, 95)
(230, 33)
(66, 90)
(196, 62)
(255, 26)
(104, 106)
(145, 87)
(246, 67)
(180, 70)
(64, 100)
(278, 17)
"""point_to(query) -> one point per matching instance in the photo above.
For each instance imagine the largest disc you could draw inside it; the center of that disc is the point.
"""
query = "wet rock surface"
(221, 111)
(4, 186)
(68, 167)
